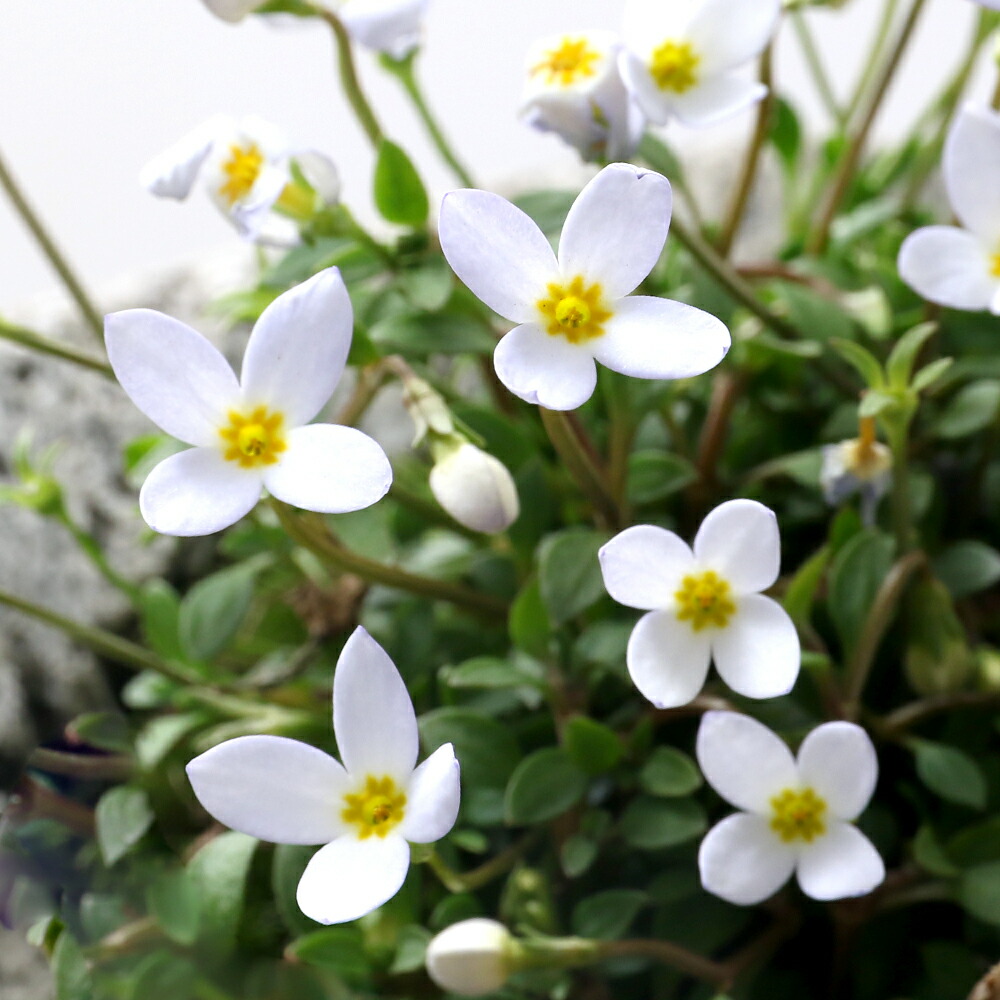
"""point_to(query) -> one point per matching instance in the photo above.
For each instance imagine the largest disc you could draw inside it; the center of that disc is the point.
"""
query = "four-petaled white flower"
(574, 310)
(366, 811)
(575, 89)
(704, 604)
(680, 57)
(798, 813)
(953, 266)
(246, 167)
(248, 434)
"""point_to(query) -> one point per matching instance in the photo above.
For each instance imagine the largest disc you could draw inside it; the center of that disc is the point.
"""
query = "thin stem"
(726, 391)
(33, 800)
(737, 208)
(48, 247)
(849, 161)
(674, 955)
(90, 548)
(89, 767)
(44, 345)
(310, 531)
(874, 56)
(349, 77)
(815, 63)
(896, 723)
(498, 865)
(403, 70)
(902, 515)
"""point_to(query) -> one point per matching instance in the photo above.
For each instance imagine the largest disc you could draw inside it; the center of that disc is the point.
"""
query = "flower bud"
(862, 465)
(471, 958)
(475, 488)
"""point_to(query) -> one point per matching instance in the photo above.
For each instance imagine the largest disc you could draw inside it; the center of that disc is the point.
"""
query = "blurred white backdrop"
(89, 90)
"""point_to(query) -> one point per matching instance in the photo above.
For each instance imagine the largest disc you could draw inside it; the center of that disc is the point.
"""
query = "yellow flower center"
(572, 61)
(574, 311)
(376, 809)
(254, 439)
(242, 170)
(865, 457)
(704, 600)
(995, 265)
(798, 815)
(674, 66)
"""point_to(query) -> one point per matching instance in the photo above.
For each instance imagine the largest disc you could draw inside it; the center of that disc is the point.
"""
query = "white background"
(89, 89)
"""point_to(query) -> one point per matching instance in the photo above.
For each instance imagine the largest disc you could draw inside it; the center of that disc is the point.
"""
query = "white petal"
(497, 251)
(948, 266)
(739, 539)
(838, 760)
(350, 877)
(390, 26)
(298, 348)
(433, 797)
(715, 99)
(839, 864)
(643, 566)
(742, 861)
(373, 717)
(615, 231)
(658, 338)
(667, 660)
(329, 468)
(646, 24)
(251, 214)
(172, 173)
(971, 163)
(476, 489)
(197, 492)
(728, 33)
(654, 102)
(744, 761)
(321, 174)
(545, 369)
(758, 652)
(272, 788)
(172, 373)
(232, 10)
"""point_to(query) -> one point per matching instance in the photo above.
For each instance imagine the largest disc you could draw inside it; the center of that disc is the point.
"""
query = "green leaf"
(174, 900)
(786, 134)
(670, 773)
(930, 855)
(339, 949)
(807, 310)
(423, 334)
(656, 475)
(103, 730)
(69, 969)
(899, 367)
(606, 916)
(577, 854)
(856, 574)
(220, 870)
(159, 608)
(287, 866)
(930, 374)
(863, 360)
(594, 747)
(569, 574)
(123, 815)
(967, 567)
(214, 608)
(970, 410)
(529, 625)
(875, 402)
(651, 824)
(950, 773)
(801, 593)
(411, 948)
(544, 785)
(978, 891)
(162, 733)
(548, 209)
(486, 749)
(399, 192)
(493, 673)
(976, 844)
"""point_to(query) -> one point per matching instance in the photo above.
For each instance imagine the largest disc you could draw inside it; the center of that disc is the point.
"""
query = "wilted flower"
(704, 604)
(954, 266)
(474, 487)
(470, 958)
(575, 89)
(680, 58)
(861, 465)
(798, 813)
(248, 434)
(246, 167)
(573, 311)
(367, 811)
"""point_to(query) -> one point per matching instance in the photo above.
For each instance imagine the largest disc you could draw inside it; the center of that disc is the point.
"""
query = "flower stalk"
(45, 345)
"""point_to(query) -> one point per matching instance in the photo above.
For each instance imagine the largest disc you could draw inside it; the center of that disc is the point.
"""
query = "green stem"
(818, 238)
(403, 70)
(469, 881)
(879, 43)
(896, 723)
(349, 77)
(89, 767)
(902, 516)
(744, 186)
(673, 955)
(429, 511)
(36, 342)
(815, 63)
(310, 531)
(48, 247)
(90, 548)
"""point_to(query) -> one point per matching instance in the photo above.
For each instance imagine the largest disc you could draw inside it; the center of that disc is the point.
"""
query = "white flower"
(248, 434)
(470, 958)
(953, 266)
(575, 89)
(704, 605)
(365, 811)
(475, 488)
(861, 465)
(232, 10)
(573, 310)
(680, 56)
(246, 167)
(798, 813)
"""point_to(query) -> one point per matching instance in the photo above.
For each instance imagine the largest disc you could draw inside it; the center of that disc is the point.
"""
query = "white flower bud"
(232, 10)
(471, 957)
(475, 488)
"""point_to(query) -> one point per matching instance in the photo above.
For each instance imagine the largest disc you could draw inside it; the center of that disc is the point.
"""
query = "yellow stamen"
(704, 600)
(995, 265)
(865, 457)
(574, 311)
(254, 439)
(572, 61)
(674, 66)
(798, 815)
(242, 170)
(376, 809)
